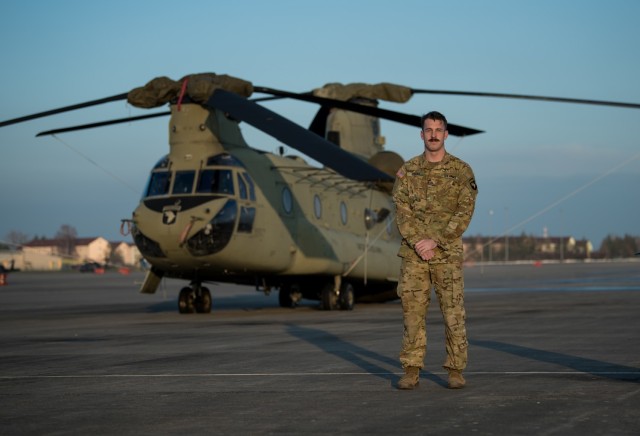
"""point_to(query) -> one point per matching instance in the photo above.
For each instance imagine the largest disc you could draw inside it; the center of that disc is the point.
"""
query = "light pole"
(490, 235)
(561, 238)
(506, 235)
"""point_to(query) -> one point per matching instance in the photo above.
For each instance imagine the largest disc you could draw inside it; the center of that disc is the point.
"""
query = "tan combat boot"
(410, 379)
(456, 380)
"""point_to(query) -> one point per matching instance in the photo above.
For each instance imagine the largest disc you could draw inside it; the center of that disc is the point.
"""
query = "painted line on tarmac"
(308, 374)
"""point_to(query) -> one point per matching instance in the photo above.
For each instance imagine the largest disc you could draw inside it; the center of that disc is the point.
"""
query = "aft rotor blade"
(295, 136)
(529, 97)
(411, 120)
(65, 109)
(319, 123)
(104, 123)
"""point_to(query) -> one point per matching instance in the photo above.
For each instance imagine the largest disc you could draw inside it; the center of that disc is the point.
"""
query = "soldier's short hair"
(435, 116)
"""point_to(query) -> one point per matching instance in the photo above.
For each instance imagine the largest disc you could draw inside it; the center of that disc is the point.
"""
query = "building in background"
(54, 254)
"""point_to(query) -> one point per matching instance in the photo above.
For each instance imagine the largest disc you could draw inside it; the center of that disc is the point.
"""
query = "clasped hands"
(426, 248)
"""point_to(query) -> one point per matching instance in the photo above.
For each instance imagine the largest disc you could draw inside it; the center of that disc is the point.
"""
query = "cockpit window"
(246, 188)
(252, 191)
(159, 183)
(184, 182)
(215, 182)
(242, 188)
(224, 160)
(162, 163)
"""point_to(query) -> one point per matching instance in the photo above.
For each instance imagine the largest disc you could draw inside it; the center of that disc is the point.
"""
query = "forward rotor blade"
(98, 124)
(273, 97)
(411, 120)
(64, 109)
(103, 123)
(529, 97)
(295, 136)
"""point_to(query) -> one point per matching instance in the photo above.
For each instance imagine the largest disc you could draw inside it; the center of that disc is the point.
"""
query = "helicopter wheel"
(328, 298)
(186, 300)
(203, 302)
(346, 298)
(289, 296)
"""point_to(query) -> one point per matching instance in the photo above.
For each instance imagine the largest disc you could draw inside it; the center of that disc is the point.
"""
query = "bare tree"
(66, 238)
(17, 238)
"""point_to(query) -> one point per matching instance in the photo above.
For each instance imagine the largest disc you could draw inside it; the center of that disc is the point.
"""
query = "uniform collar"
(427, 164)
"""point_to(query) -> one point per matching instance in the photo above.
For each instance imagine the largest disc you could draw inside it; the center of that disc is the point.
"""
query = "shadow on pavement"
(591, 366)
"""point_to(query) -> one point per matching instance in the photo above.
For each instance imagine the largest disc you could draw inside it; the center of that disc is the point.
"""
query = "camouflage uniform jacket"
(434, 200)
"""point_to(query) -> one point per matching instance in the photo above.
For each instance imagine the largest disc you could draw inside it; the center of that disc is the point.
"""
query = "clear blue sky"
(572, 169)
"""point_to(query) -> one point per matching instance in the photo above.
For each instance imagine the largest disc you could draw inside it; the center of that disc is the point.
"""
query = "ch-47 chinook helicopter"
(217, 210)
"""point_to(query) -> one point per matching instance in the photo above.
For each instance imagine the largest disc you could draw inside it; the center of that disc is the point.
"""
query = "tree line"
(521, 247)
(614, 246)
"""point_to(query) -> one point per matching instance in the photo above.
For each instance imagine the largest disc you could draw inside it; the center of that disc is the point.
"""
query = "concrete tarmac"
(554, 350)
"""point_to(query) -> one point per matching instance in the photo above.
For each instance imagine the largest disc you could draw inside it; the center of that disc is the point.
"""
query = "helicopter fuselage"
(217, 210)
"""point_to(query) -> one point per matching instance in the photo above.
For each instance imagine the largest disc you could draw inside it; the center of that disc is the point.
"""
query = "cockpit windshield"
(213, 181)
(218, 178)
(183, 183)
(159, 183)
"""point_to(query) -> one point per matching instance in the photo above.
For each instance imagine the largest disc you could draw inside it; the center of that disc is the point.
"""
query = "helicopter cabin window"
(215, 182)
(159, 183)
(287, 200)
(343, 212)
(184, 182)
(317, 206)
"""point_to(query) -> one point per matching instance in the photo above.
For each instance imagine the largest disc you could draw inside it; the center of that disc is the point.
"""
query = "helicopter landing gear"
(186, 300)
(289, 296)
(343, 299)
(203, 302)
(194, 299)
(347, 298)
(328, 297)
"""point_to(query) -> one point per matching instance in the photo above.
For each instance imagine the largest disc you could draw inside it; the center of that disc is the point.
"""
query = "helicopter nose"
(216, 234)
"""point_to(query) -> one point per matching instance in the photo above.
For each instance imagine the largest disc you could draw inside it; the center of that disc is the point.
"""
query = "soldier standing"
(435, 196)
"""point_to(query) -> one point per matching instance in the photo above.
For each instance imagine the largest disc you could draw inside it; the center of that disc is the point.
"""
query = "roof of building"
(56, 242)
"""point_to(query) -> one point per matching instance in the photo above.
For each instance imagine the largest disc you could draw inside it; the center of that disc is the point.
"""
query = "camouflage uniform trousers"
(414, 290)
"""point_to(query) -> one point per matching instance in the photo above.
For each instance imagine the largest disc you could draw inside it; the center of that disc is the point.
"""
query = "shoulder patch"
(400, 174)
